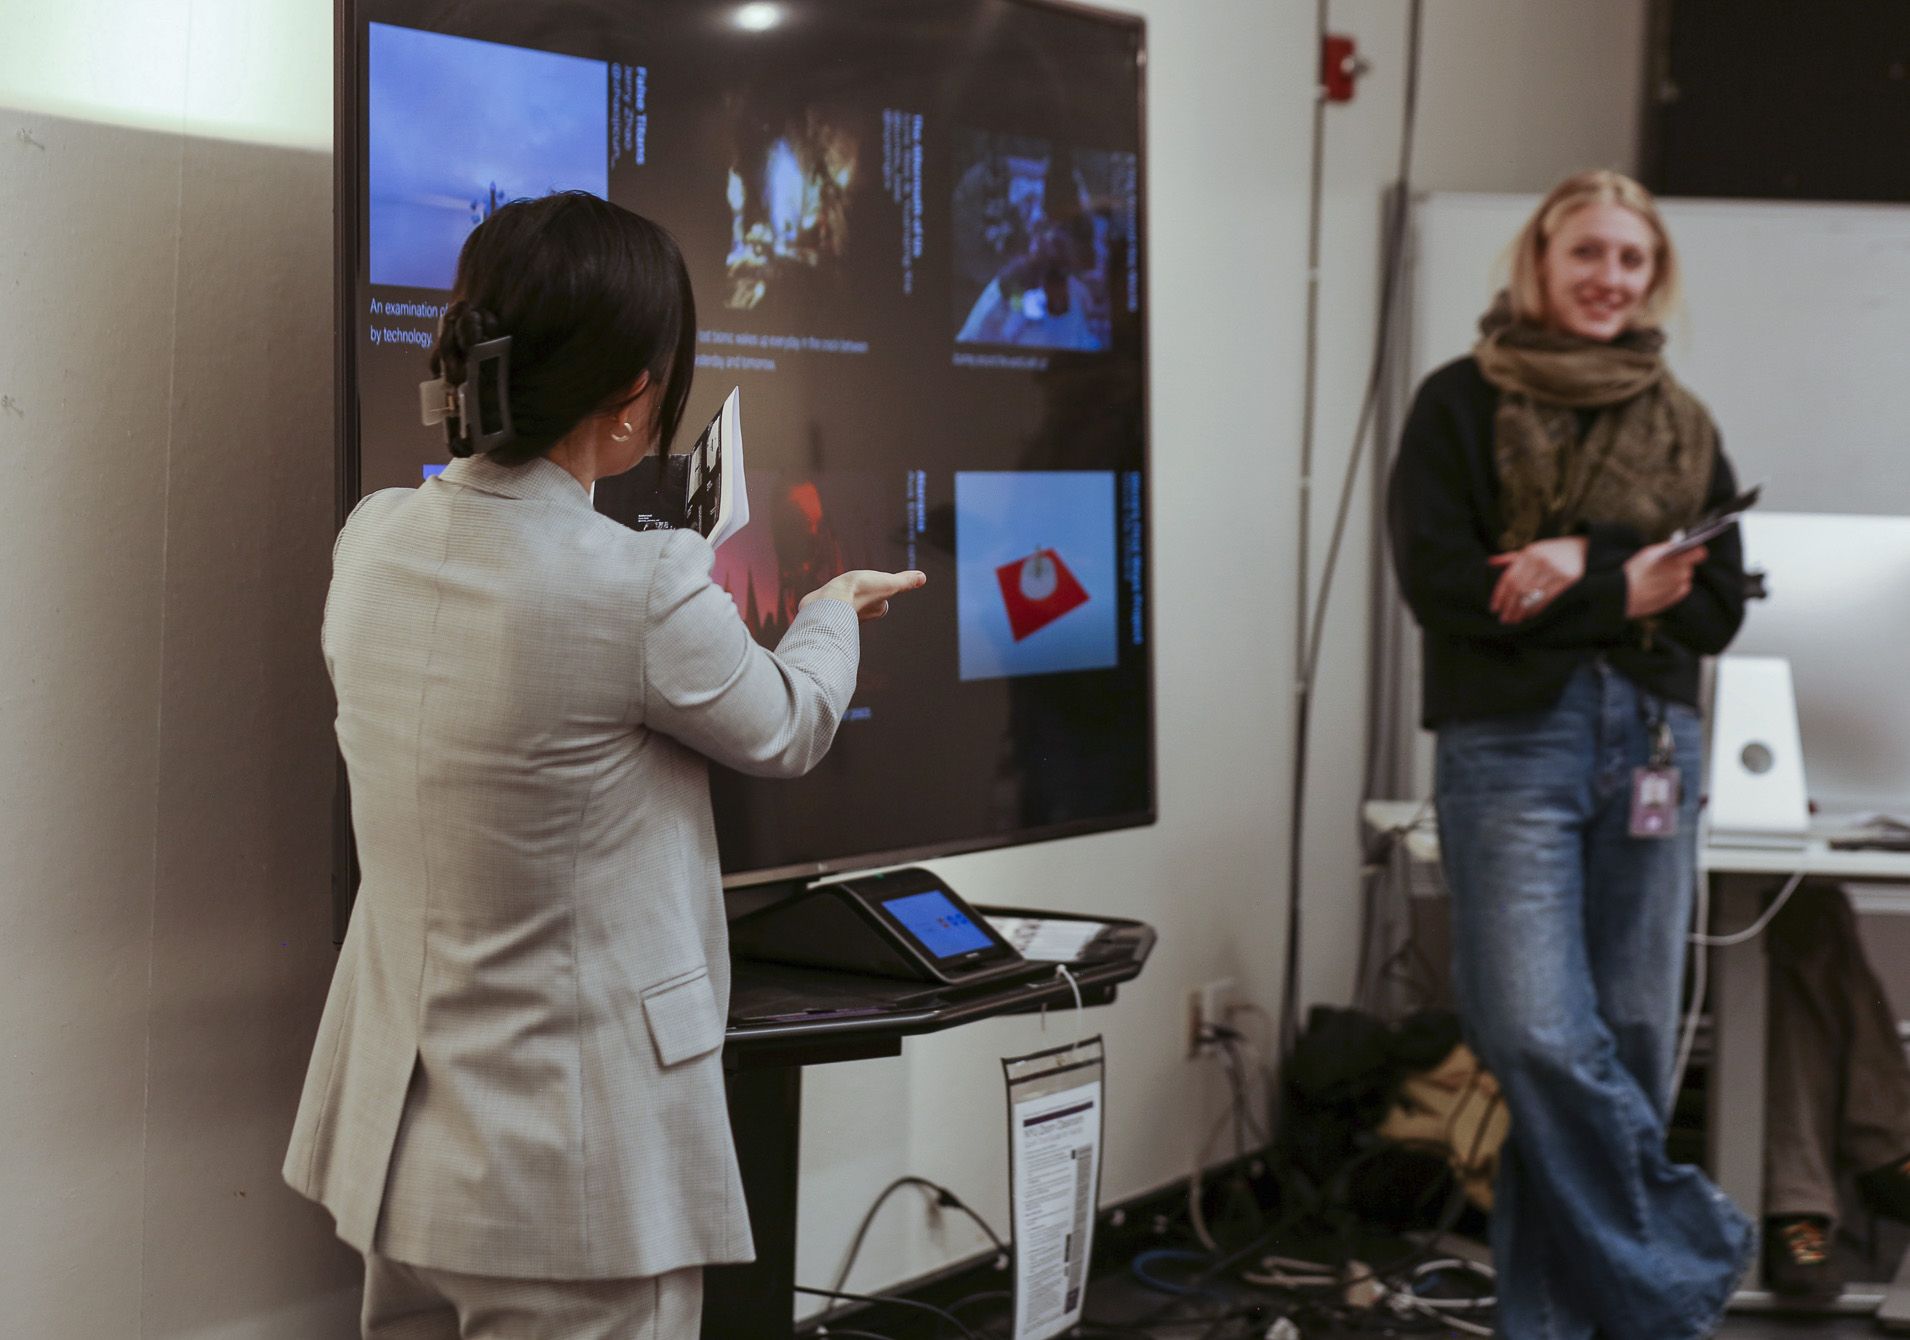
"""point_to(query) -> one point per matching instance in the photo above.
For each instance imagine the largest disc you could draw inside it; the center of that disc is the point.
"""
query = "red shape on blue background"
(1027, 615)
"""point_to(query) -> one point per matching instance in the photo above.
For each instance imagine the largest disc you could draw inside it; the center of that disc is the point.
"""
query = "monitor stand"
(808, 1017)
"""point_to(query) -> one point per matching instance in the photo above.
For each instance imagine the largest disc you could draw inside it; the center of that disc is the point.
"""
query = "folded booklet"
(1716, 521)
(702, 489)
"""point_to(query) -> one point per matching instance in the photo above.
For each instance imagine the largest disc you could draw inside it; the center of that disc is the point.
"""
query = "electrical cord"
(1196, 1212)
(1250, 1125)
(892, 1301)
(1757, 927)
(985, 1294)
(944, 1199)
(1309, 405)
(1061, 970)
(1239, 1113)
(1397, 1277)
(1315, 1205)
(1700, 984)
(1700, 968)
(1310, 620)
(1263, 1072)
(1407, 1300)
(1138, 1267)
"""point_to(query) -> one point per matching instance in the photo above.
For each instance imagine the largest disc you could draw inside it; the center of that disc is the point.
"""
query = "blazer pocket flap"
(683, 1018)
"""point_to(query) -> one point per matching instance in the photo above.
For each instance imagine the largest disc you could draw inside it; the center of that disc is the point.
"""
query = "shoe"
(1886, 1191)
(1797, 1257)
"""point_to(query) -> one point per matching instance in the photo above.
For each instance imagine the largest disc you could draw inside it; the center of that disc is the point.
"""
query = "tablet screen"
(943, 929)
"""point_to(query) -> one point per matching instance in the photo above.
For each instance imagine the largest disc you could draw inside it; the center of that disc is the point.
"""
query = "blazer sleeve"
(707, 684)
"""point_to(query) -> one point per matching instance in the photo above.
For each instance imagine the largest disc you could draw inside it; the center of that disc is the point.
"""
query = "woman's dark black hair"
(592, 296)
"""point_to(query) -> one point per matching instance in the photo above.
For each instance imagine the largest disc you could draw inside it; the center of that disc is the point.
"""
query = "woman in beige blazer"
(515, 1103)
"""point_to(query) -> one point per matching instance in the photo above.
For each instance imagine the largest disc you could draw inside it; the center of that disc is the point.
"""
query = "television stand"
(853, 1018)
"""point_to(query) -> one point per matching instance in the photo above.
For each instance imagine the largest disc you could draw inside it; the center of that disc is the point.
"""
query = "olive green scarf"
(1645, 460)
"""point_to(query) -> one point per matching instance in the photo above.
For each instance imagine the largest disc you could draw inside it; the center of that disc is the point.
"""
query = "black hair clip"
(476, 414)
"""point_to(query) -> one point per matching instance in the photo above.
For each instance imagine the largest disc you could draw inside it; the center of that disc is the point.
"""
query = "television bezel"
(349, 153)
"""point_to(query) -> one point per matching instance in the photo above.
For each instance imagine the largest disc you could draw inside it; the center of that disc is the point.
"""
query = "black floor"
(1182, 1303)
(1120, 1305)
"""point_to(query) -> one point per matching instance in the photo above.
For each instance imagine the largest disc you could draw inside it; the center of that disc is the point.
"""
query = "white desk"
(1741, 881)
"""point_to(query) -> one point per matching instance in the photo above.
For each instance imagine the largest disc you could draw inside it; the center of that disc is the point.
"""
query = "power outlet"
(1207, 1008)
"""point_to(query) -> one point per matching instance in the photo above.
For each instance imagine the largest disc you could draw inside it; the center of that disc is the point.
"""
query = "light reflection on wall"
(225, 69)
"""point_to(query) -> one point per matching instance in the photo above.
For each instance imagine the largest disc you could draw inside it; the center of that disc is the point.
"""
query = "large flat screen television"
(916, 234)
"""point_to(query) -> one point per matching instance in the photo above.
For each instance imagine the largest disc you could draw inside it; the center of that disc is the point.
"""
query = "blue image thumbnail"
(1036, 575)
(458, 127)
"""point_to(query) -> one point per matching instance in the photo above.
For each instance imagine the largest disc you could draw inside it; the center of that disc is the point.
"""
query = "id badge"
(1654, 802)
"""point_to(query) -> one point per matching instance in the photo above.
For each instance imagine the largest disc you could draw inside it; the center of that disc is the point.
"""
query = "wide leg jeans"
(1569, 943)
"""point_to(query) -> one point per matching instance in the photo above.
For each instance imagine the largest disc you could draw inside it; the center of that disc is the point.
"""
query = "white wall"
(164, 764)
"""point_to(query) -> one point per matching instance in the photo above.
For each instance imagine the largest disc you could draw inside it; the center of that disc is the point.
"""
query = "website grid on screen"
(915, 229)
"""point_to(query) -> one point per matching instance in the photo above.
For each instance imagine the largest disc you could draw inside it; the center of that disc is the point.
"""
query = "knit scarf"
(1645, 460)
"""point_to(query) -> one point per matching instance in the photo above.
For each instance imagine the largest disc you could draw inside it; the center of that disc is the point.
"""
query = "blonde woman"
(1538, 483)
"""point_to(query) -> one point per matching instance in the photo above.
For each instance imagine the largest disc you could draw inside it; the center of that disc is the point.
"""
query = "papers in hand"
(715, 496)
(1715, 522)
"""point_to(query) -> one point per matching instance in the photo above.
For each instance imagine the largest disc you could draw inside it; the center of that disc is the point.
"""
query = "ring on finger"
(1534, 596)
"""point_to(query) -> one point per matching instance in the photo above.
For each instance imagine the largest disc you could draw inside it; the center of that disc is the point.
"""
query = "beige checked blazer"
(518, 1069)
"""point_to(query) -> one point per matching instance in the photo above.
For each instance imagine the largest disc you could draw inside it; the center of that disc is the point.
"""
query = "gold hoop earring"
(627, 433)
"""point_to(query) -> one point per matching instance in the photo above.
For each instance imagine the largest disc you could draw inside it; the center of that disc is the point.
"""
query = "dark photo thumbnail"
(793, 171)
(803, 530)
(1041, 239)
(457, 127)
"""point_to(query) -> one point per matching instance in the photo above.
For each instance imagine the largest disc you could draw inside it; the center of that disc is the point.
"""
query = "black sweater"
(1443, 513)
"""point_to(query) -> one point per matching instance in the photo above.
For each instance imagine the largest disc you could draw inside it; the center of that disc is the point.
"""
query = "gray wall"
(164, 727)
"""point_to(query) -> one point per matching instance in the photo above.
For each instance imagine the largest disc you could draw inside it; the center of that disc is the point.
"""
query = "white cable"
(1299, 1264)
(1700, 983)
(1061, 970)
(1195, 1216)
(1405, 1301)
(1290, 1272)
(1279, 1279)
(1701, 909)
(1756, 928)
(1479, 1268)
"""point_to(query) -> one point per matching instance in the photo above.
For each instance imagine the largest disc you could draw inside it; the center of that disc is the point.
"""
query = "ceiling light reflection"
(759, 16)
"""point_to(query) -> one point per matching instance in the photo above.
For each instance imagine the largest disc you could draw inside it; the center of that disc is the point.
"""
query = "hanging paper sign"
(1054, 1163)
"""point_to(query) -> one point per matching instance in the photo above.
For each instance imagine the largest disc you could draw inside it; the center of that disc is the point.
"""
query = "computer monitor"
(1839, 609)
(916, 234)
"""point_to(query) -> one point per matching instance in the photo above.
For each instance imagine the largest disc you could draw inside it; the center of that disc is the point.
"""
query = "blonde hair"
(1526, 285)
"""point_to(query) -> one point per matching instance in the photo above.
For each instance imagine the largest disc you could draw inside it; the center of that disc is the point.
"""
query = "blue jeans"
(1568, 960)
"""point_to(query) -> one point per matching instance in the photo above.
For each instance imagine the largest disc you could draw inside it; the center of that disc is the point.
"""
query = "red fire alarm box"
(1340, 67)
